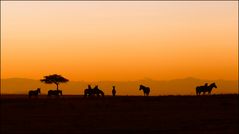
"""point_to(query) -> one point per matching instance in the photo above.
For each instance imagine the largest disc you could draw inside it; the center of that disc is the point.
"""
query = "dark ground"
(216, 114)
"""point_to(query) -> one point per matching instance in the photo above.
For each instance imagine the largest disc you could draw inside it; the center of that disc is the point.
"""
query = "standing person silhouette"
(113, 91)
(89, 87)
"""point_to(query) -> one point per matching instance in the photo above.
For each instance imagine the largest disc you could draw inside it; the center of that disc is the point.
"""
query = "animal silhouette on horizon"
(205, 88)
(54, 93)
(113, 91)
(34, 92)
(92, 92)
(145, 89)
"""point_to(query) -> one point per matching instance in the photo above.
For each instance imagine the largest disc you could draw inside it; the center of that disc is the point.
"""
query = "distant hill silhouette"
(171, 87)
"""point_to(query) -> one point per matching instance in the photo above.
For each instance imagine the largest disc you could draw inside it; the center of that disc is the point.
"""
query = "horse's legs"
(86, 93)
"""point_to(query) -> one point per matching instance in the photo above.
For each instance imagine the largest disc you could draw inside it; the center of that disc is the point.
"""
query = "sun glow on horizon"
(119, 41)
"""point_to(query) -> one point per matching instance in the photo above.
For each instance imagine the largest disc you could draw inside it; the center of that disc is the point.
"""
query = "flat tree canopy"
(54, 79)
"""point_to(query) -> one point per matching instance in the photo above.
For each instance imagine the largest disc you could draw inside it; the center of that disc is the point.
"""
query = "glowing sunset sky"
(94, 41)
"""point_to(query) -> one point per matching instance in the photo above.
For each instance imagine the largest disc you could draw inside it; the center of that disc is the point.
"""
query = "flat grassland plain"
(214, 114)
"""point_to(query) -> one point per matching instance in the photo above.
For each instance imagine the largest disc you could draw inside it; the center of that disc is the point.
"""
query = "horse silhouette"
(145, 89)
(113, 91)
(34, 92)
(92, 92)
(54, 93)
(205, 88)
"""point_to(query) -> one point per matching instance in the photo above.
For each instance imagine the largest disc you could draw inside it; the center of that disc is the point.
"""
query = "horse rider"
(89, 87)
(206, 85)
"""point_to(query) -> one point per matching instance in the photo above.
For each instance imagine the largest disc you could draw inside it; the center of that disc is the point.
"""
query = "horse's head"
(141, 87)
(214, 85)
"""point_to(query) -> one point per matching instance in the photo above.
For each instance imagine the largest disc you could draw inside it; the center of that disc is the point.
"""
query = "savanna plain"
(69, 114)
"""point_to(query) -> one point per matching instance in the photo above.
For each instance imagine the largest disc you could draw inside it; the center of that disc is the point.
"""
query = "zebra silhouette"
(145, 89)
(34, 92)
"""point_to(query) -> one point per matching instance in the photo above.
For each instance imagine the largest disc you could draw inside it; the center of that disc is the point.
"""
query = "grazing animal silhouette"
(54, 93)
(113, 91)
(92, 92)
(205, 88)
(145, 89)
(34, 92)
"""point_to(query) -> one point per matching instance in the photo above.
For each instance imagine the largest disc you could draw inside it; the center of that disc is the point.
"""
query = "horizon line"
(133, 80)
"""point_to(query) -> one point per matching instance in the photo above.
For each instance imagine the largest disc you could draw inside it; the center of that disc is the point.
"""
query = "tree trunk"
(57, 87)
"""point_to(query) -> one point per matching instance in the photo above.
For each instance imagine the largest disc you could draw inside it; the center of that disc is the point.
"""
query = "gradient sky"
(116, 40)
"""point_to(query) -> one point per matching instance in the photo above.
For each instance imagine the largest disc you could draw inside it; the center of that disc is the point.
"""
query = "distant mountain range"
(171, 87)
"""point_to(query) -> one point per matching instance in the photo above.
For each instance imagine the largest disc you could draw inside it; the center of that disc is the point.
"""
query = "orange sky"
(94, 41)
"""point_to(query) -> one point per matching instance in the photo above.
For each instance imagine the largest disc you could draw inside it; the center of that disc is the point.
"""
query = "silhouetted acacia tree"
(54, 79)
